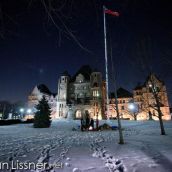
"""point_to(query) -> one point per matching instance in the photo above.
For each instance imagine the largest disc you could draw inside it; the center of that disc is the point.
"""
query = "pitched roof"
(139, 86)
(44, 89)
(149, 78)
(122, 93)
(65, 73)
(85, 71)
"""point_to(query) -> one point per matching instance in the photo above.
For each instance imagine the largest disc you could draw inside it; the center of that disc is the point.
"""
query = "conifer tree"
(42, 117)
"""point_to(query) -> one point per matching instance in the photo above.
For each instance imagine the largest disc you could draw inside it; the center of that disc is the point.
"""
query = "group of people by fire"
(87, 123)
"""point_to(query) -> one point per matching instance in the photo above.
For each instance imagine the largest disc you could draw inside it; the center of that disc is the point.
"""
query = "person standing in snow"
(87, 119)
(83, 124)
(92, 123)
(87, 122)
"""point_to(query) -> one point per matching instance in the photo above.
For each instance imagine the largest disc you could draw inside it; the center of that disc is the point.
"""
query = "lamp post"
(21, 112)
(29, 111)
(133, 108)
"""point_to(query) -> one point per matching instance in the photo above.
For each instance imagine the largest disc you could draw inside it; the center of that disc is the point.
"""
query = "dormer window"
(80, 78)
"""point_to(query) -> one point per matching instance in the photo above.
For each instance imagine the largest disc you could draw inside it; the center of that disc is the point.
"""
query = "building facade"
(124, 98)
(144, 96)
(85, 93)
(80, 95)
(142, 104)
(36, 95)
(77, 96)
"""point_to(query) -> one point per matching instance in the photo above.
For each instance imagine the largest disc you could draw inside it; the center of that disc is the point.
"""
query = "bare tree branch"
(50, 10)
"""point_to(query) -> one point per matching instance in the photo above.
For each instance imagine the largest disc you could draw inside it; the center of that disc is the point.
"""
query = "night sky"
(32, 52)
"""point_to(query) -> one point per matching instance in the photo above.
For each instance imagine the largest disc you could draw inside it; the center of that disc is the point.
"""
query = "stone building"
(124, 99)
(82, 94)
(36, 95)
(85, 93)
(145, 99)
(142, 103)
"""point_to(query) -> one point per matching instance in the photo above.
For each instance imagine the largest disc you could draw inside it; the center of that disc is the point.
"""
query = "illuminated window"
(96, 93)
(64, 95)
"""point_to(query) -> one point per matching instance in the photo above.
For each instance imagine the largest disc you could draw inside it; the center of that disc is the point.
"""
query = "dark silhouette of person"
(82, 124)
(92, 123)
(87, 122)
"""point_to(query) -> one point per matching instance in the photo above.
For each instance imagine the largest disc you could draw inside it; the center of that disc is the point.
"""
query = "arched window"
(78, 114)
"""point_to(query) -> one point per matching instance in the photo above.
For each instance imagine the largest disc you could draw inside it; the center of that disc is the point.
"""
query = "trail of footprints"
(46, 153)
(113, 164)
(45, 156)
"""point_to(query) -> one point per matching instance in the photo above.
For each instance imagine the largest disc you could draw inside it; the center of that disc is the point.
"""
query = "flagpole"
(106, 63)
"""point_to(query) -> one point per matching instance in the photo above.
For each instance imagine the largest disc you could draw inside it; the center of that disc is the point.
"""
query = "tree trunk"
(161, 122)
(150, 116)
(159, 115)
(121, 139)
(135, 116)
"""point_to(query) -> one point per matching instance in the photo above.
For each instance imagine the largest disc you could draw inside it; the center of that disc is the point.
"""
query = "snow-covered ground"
(75, 151)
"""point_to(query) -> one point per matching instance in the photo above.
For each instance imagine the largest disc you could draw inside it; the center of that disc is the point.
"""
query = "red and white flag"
(113, 13)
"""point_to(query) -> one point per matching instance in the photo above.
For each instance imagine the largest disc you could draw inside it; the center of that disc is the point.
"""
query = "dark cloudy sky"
(30, 53)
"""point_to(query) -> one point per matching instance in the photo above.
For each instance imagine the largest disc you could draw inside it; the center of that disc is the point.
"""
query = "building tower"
(96, 92)
(62, 95)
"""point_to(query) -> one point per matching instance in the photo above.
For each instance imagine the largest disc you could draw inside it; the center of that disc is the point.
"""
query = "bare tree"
(153, 88)
(121, 138)
(157, 106)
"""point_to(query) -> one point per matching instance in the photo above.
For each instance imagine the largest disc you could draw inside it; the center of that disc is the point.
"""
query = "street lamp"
(133, 108)
(21, 112)
(29, 111)
(150, 85)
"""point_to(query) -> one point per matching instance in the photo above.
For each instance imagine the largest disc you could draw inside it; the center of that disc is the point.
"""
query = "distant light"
(150, 85)
(29, 111)
(64, 95)
(21, 110)
(131, 106)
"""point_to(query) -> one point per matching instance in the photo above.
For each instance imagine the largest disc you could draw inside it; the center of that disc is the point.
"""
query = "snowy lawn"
(75, 151)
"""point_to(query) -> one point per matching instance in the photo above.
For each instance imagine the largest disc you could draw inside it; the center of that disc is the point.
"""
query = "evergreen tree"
(42, 116)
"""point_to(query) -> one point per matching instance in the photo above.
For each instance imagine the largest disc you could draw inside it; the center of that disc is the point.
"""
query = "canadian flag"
(113, 13)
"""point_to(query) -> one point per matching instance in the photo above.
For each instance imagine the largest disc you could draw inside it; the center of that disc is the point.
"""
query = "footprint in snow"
(76, 170)
(67, 164)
